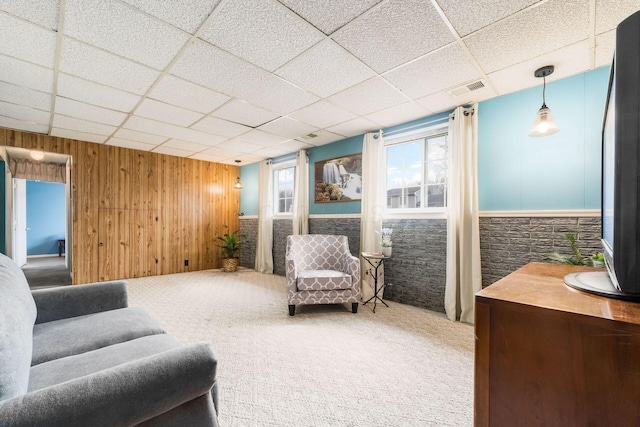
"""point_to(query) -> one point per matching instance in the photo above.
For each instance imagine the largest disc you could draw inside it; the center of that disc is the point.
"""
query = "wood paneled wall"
(137, 213)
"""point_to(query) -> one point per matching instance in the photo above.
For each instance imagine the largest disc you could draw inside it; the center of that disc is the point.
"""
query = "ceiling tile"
(399, 114)
(262, 138)
(567, 61)
(321, 137)
(469, 16)
(605, 46)
(156, 110)
(79, 136)
(43, 13)
(20, 112)
(244, 113)
(168, 130)
(533, 32)
(145, 138)
(80, 110)
(27, 41)
(185, 94)
(188, 15)
(445, 68)
(443, 101)
(11, 123)
(207, 157)
(325, 69)
(273, 151)
(287, 127)
(79, 125)
(24, 96)
(124, 31)
(221, 152)
(322, 114)
(204, 64)
(354, 127)
(93, 64)
(133, 145)
(245, 158)
(24, 74)
(293, 146)
(96, 94)
(172, 151)
(394, 33)
(373, 95)
(266, 33)
(185, 145)
(239, 146)
(328, 16)
(222, 127)
(610, 13)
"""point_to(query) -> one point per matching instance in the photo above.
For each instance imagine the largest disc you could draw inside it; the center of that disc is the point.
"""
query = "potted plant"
(386, 241)
(230, 251)
(595, 260)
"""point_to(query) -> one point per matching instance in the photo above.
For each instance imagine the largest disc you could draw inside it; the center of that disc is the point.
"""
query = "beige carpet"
(401, 366)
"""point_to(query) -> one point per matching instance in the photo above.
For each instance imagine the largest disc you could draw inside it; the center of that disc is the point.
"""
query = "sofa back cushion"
(17, 317)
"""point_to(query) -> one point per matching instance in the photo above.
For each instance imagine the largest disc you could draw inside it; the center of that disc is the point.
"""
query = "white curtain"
(38, 171)
(373, 176)
(463, 236)
(301, 195)
(264, 252)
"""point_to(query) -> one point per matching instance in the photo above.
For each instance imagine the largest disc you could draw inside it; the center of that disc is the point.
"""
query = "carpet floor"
(402, 366)
(46, 272)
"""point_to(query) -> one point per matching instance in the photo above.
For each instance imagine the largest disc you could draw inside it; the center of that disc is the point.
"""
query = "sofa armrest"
(71, 301)
(123, 395)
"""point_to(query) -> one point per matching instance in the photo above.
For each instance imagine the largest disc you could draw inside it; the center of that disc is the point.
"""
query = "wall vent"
(466, 88)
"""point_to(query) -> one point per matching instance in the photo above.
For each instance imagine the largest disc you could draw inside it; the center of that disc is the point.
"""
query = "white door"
(20, 221)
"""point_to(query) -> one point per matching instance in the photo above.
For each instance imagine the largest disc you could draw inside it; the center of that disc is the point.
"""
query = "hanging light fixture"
(238, 184)
(544, 124)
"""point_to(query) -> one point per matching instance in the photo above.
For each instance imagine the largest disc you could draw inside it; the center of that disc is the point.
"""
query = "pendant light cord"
(544, 88)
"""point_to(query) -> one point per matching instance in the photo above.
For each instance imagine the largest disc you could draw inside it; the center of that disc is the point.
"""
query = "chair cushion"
(323, 280)
(17, 317)
(68, 368)
(75, 335)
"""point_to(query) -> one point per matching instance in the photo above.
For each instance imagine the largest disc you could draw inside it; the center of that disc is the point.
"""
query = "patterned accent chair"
(321, 270)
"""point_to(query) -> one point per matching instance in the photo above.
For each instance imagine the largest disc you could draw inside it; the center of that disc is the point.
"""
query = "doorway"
(38, 214)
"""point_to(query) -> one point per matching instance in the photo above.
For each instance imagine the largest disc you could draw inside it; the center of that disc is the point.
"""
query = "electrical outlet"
(186, 263)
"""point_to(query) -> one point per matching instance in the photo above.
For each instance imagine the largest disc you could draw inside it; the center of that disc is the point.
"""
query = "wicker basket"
(230, 264)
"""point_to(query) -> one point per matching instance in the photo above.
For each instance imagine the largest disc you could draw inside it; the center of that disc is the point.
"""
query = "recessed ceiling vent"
(466, 88)
(309, 136)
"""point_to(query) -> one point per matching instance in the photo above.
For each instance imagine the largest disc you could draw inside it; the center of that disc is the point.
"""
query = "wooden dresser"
(549, 355)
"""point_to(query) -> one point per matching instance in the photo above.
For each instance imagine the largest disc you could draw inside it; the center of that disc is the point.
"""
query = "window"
(417, 169)
(283, 189)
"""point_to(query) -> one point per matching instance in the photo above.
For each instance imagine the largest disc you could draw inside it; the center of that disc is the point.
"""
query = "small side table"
(375, 261)
(61, 247)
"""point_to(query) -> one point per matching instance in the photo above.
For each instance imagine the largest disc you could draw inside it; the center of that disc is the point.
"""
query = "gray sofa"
(79, 356)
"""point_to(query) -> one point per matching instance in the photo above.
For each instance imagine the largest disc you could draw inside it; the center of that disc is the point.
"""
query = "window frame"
(290, 164)
(424, 134)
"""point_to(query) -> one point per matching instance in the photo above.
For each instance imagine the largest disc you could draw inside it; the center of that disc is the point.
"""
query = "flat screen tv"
(620, 174)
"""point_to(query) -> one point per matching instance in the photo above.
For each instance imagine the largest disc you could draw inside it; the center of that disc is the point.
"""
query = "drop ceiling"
(251, 79)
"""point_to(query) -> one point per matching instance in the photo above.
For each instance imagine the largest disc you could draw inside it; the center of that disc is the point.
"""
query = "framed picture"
(339, 179)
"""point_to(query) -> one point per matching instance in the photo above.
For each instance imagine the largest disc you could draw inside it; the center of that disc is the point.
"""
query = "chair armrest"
(291, 275)
(351, 265)
(78, 300)
(123, 395)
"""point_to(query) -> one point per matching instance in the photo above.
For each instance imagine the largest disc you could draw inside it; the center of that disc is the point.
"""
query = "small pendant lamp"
(238, 184)
(544, 124)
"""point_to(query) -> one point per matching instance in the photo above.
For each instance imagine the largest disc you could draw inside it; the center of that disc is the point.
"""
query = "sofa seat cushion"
(323, 280)
(68, 368)
(75, 335)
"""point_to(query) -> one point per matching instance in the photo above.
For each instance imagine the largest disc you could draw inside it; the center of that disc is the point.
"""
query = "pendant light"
(238, 184)
(544, 124)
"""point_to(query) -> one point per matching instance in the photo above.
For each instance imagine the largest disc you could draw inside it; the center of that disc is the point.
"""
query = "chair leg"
(292, 309)
(354, 307)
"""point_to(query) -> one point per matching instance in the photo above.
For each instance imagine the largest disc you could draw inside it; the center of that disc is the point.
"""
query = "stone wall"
(507, 244)
(416, 273)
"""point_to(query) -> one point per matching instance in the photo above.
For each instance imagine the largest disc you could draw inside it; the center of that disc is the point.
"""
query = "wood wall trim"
(118, 193)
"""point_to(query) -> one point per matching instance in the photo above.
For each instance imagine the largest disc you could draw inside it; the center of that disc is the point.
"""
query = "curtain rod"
(417, 126)
(466, 112)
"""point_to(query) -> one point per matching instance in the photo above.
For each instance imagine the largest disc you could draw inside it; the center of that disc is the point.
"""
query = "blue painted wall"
(515, 172)
(45, 217)
(561, 171)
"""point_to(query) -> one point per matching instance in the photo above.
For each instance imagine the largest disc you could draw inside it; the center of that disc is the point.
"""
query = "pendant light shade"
(544, 123)
(238, 184)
